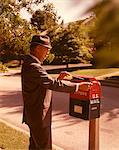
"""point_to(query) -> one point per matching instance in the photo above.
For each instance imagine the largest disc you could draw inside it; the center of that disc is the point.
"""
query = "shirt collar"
(34, 57)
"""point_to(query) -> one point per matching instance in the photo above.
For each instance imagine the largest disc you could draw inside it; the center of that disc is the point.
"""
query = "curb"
(112, 83)
(105, 80)
(55, 147)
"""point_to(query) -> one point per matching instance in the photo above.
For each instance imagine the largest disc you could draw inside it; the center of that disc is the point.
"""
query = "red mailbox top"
(94, 91)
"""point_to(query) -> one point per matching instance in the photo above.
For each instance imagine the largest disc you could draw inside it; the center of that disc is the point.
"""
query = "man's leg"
(40, 138)
(32, 145)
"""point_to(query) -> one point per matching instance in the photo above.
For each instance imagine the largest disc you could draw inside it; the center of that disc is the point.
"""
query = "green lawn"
(96, 72)
(10, 139)
(93, 72)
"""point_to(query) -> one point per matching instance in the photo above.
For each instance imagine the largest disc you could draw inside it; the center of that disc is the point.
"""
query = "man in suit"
(37, 88)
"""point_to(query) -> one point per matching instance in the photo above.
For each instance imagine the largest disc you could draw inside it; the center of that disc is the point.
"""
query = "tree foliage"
(45, 19)
(65, 47)
(106, 33)
(81, 31)
(15, 33)
(70, 43)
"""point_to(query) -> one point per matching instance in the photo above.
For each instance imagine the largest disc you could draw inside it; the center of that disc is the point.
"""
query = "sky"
(69, 10)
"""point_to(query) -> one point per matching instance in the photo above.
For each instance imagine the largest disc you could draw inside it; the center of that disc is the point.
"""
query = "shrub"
(3, 68)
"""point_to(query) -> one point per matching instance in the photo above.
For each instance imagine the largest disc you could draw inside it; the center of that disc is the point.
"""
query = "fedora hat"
(43, 40)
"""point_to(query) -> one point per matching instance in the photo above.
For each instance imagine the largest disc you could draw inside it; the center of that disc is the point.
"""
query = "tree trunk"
(20, 62)
(67, 65)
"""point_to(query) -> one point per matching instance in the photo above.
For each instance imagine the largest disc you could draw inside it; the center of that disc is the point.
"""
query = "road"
(68, 132)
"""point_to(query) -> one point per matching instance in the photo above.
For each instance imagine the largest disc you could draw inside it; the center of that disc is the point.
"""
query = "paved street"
(68, 132)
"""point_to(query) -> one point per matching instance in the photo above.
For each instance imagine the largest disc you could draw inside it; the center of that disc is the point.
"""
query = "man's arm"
(41, 76)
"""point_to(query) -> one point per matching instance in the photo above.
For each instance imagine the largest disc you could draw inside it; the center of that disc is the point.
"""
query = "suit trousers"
(40, 138)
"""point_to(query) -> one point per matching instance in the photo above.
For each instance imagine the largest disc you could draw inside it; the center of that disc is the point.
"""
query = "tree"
(81, 31)
(65, 47)
(46, 19)
(106, 33)
(15, 33)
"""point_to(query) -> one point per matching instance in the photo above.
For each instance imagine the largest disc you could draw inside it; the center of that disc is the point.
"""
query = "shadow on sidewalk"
(109, 105)
(11, 99)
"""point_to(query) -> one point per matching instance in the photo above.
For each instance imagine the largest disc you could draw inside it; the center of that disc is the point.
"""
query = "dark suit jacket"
(37, 94)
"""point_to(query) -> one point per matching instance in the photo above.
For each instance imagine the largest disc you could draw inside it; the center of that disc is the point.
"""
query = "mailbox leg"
(94, 134)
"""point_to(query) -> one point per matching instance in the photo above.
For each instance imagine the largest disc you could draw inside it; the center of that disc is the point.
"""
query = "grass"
(11, 139)
(95, 72)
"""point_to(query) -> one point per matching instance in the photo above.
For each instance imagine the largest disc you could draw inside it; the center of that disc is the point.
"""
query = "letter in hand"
(63, 74)
(84, 86)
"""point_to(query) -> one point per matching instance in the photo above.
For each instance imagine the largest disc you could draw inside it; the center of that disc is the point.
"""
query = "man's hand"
(84, 86)
(63, 74)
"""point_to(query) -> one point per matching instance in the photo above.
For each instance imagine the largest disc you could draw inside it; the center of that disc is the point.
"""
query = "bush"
(3, 68)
